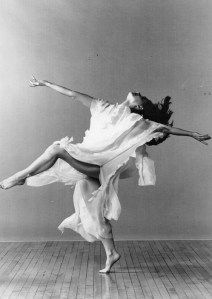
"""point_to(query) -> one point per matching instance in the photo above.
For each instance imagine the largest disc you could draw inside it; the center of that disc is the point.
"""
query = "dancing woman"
(112, 148)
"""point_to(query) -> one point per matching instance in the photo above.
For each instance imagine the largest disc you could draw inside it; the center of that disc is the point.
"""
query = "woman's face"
(134, 100)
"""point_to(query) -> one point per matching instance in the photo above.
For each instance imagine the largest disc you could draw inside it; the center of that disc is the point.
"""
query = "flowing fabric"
(116, 142)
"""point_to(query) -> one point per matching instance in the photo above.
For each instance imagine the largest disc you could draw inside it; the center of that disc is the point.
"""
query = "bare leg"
(45, 161)
(111, 253)
(45, 166)
(109, 245)
(91, 170)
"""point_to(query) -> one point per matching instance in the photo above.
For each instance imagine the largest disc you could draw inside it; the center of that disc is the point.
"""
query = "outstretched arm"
(83, 98)
(181, 132)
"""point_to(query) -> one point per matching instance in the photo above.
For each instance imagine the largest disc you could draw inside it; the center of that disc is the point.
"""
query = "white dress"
(115, 141)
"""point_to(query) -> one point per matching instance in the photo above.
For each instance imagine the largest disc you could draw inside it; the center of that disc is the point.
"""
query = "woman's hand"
(33, 82)
(201, 137)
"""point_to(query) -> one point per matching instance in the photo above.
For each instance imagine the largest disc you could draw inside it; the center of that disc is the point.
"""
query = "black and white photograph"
(105, 146)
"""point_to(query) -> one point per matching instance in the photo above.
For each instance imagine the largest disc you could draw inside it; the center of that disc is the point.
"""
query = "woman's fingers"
(202, 138)
(31, 83)
(204, 142)
(205, 137)
(33, 80)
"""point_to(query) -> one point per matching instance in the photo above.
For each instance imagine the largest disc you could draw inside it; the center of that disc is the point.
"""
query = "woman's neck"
(125, 103)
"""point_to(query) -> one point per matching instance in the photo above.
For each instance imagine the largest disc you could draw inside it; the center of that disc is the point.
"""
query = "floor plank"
(190, 276)
(161, 271)
(147, 269)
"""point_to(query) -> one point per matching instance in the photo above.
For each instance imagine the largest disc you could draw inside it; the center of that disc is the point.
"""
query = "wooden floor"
(147, 269)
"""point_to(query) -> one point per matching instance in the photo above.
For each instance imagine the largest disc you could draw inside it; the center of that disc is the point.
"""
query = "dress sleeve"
(97, 105)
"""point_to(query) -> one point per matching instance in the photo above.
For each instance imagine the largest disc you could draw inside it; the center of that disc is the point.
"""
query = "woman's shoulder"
(99, 105)
(100, 101)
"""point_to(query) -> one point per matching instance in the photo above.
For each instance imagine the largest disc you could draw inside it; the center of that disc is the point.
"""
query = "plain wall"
(106, 49)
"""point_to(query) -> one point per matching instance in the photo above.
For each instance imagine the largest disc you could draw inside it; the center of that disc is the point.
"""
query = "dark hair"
(158, 112)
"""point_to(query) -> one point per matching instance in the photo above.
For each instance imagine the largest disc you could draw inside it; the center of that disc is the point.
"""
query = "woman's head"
(135, 101)
(157, 112)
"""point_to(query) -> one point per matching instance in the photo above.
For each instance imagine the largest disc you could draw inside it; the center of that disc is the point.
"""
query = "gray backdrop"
(106, 48)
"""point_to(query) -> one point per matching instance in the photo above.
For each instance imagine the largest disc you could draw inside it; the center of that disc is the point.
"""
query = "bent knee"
(54, 149)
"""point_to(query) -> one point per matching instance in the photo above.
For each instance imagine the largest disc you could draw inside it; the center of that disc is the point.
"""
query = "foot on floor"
(111, 260)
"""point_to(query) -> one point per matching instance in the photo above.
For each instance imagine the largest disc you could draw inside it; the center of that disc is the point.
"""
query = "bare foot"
(111, 259)
(11, 181)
